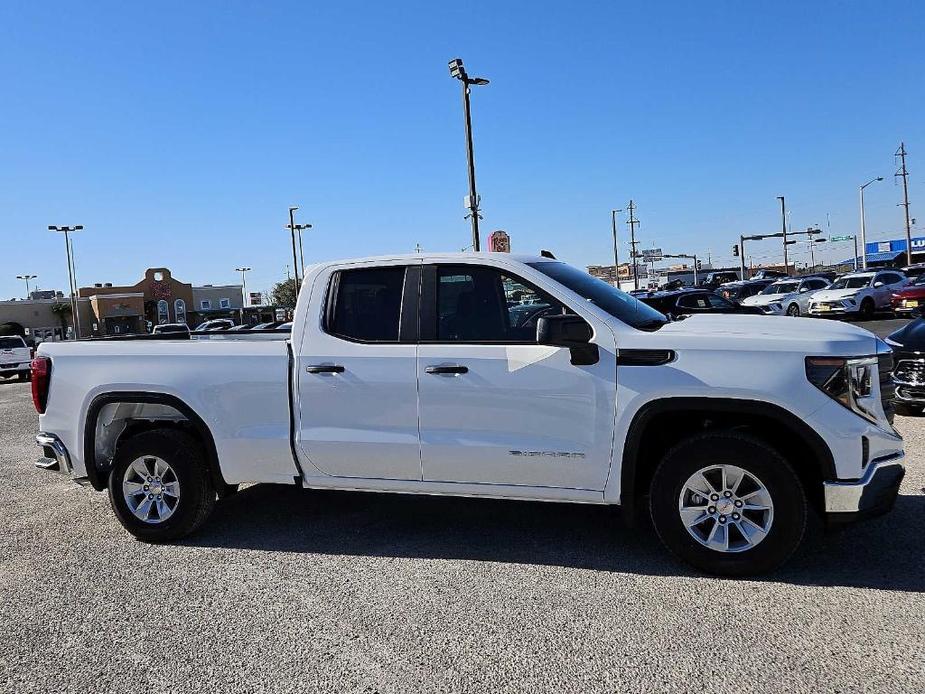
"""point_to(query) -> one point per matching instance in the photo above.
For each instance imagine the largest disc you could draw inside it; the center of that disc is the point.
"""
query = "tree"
(283, 294)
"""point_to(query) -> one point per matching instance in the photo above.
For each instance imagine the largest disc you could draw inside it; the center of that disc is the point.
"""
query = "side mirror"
(878, 284)
(569, 331)
(804, 289)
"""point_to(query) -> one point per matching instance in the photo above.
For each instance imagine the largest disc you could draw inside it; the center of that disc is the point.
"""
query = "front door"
(357, 393)
(496, 407)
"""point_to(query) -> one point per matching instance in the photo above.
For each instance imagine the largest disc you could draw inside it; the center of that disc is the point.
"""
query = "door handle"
(325, 369)
(455, 369)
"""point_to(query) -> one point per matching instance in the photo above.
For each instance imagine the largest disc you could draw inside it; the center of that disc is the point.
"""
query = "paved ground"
(295, 591)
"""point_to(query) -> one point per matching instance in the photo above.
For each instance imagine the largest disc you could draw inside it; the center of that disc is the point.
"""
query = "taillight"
(41, 378)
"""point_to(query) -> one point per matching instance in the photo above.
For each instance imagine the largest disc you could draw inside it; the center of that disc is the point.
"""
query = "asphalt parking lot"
(288, 590)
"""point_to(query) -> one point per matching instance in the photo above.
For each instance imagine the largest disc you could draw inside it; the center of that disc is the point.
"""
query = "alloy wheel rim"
(151, 489)
(726, 508)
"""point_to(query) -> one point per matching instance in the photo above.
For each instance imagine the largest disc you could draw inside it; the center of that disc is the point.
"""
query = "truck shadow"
(884, 553)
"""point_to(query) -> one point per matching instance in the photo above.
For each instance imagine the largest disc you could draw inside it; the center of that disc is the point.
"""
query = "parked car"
(215, 324)
(908, 345)
(769, 275)
(909, 300)
(912, 271)
(858, 294)
(714, 279)
(170, 328)
(406, 374)
(685, 302)
(15, 356)
(737, 291)
(790, 296)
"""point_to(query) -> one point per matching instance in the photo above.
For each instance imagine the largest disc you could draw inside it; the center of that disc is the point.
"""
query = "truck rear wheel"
(159, 485)
(728, 504)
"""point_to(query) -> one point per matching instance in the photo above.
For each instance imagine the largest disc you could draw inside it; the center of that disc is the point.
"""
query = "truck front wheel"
(159, 486)
(728, 504)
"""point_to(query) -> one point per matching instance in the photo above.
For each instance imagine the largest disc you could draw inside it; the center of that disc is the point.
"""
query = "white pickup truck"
(15, 357)
(491, 375)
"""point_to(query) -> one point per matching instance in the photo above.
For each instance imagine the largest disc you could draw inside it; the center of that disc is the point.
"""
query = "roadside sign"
(651, 254)
(841, 238)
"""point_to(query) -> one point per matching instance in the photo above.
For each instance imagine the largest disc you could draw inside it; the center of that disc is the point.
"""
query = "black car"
(908, 345)
(736, 291)
(715, 279)
(684, 302)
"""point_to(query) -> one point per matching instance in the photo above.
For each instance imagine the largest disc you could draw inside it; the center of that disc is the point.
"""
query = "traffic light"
(699, 264)
(735, 250)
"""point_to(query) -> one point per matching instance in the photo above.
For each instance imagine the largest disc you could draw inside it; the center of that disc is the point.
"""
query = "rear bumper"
(872, 495)
(7, 369)
(55, 456)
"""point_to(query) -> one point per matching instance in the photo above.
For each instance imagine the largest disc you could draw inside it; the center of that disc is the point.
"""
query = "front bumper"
(55, 455)
(871, 495)
(832, 310)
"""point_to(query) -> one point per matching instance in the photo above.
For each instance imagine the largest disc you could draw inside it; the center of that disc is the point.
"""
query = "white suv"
(858, 294)
(15, 357)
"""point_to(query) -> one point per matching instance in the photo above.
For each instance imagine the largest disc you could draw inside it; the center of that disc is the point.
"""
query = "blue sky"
(178, 133)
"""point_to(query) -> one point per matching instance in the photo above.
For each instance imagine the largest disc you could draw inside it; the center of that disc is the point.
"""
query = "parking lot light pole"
(616, 260)
(295, 258)
(243, 271)
(863, 222)
(71, 274)
(457, 71)
(26, 278)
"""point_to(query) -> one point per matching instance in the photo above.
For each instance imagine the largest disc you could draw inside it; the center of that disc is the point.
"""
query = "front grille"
(910, 372)
(885, 369)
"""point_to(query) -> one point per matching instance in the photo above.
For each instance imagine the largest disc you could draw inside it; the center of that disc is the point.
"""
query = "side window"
(366, 304)
(480, 304)
(692, 301)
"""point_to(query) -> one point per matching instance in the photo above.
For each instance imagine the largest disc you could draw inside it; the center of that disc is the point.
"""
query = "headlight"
(854, 382)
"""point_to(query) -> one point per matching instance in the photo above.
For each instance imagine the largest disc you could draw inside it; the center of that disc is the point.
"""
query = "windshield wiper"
(651, 325)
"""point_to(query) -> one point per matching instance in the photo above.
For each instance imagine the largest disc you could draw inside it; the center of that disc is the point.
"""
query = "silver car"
(787, 297)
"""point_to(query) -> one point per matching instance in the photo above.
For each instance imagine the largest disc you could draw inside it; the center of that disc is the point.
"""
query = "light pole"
(783, 229)
(26, 278)
(243, 271)
(295, 258)
(864, 223)
(71, 274)
(472, 201)
(616, 260)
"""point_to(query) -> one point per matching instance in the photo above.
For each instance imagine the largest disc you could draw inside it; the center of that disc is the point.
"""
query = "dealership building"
(893, 252)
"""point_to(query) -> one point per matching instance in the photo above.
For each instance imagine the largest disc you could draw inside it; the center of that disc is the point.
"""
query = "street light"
(616, 261)
(457, 71)
(71, 272)
(243, 271)
(295, 259)
(863, 223)
(26, 278)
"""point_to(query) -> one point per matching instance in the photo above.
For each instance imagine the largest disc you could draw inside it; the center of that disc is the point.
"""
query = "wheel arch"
(156, 411)
(660, 424)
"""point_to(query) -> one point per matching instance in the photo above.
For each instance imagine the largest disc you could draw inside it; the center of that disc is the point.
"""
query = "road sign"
(841, 238)
(651, 254)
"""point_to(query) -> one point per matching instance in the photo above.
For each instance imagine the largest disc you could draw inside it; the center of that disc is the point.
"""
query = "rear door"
(496, 407)
(357, 390)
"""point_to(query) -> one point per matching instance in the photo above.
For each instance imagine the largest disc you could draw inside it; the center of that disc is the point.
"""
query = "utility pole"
(632, 222)
(71, 272)
(616, 260)
(742, 256)
(901, 153)
(243, 270)
(472, 200)
(26, 278)
(783, 229)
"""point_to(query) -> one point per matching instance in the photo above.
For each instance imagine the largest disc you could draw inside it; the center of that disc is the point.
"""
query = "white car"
(15, 357)
(859, 294)
(410, 374)
(787, 296)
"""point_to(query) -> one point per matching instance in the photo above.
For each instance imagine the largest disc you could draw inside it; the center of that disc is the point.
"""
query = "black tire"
(23, 376)
(793, 310)
(907, 410)
(197, 495)
(757, 458)
(867, 309)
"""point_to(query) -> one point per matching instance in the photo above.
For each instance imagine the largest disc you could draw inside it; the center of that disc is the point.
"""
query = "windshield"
(855, 282)
(780, 288)
(919, 281)
(628, 309)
